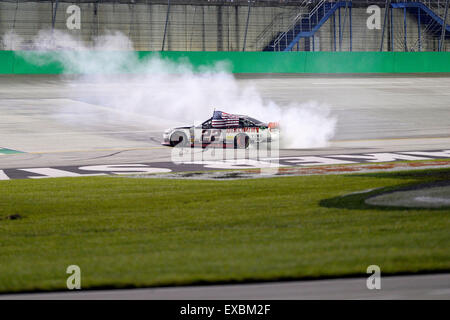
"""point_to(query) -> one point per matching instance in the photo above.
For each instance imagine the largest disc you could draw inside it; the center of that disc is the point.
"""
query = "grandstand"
(236, 25)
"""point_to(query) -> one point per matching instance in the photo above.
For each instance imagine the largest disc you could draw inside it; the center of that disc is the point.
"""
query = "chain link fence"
(225, 25)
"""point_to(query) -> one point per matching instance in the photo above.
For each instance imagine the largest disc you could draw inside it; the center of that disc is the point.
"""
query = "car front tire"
(179, 139)
(241, 141)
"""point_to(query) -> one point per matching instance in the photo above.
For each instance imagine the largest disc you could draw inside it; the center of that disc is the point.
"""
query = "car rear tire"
(241, 141)
(179, 139)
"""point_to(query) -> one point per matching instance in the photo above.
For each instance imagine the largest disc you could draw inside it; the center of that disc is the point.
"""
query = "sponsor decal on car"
(242, 130)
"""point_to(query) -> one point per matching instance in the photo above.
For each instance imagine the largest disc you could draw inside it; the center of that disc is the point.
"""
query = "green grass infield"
(135, 232)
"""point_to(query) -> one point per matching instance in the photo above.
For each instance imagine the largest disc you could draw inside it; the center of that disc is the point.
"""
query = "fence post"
(165, 25)
(246, 25)
(386, 8)
(444, 27)
(54, 14)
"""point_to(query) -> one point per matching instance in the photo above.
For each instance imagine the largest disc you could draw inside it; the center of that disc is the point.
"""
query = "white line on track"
(94, 150)
(360, 83)
(390, 139)
(83, 132)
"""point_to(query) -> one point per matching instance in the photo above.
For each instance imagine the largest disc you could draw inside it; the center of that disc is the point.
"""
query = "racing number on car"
(205, 135)
(208, 134)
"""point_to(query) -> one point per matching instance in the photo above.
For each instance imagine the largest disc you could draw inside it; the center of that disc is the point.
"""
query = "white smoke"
(11, 41)
(165, 91)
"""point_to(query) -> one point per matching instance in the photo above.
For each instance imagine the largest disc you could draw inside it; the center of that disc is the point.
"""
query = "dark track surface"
(433, 287)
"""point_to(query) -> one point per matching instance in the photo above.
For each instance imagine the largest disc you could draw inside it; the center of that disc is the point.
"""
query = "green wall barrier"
(349, 62)
(35, 62)
(51, 62)
(6, 62)
(424, 61)
(241, 62)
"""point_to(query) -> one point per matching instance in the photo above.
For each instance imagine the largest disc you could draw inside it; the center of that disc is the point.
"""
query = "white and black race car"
(223, 130)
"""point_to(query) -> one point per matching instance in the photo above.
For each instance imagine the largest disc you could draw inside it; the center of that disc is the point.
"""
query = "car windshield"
(206, 124)
(257, 122)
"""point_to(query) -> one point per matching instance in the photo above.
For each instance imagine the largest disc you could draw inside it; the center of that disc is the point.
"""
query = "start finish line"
(200, 165)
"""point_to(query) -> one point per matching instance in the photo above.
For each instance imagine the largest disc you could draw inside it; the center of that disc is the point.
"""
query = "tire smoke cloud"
(110, 74)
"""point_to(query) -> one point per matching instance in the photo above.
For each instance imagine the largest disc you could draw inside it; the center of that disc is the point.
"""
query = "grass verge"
(126, 232)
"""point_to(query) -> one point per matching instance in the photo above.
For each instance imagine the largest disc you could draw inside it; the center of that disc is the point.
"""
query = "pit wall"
(20, 62)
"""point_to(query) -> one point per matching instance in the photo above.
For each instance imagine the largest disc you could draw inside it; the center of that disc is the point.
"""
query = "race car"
(223, 130)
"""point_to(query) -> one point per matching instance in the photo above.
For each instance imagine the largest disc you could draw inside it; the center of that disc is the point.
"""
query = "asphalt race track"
(374, 114)
(435, 287)
(385, 115)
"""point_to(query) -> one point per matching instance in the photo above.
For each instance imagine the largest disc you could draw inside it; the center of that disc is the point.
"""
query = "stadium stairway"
(305, 26)
(425, 16)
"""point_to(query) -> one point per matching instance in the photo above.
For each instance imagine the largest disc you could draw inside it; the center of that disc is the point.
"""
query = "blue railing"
(305, 26)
